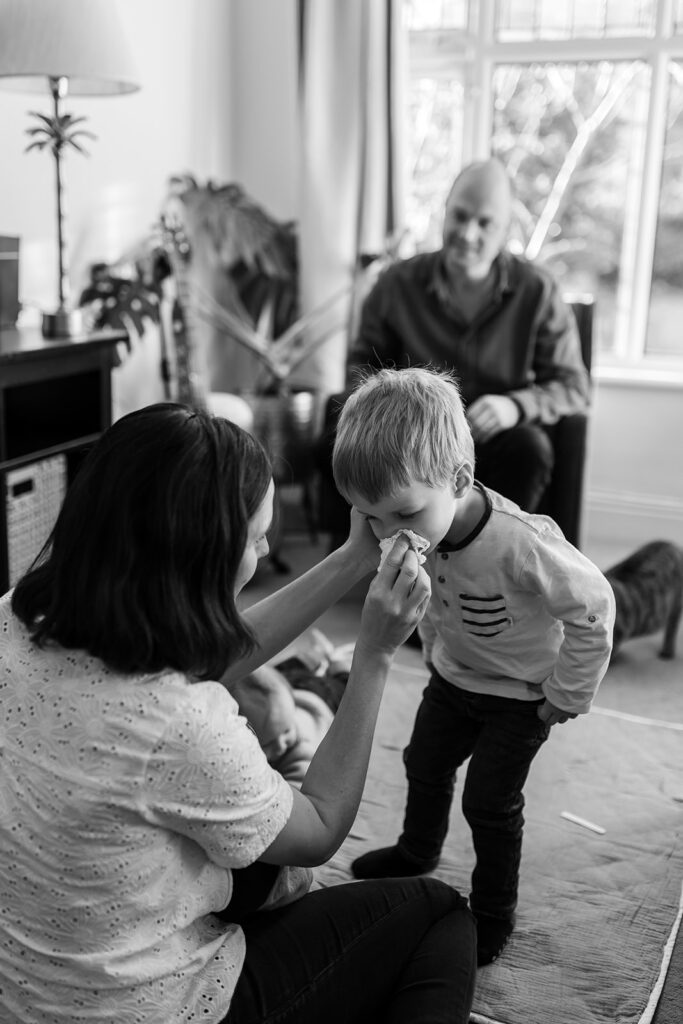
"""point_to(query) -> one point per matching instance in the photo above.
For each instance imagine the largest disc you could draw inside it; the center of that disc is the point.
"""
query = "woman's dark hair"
(141, 565)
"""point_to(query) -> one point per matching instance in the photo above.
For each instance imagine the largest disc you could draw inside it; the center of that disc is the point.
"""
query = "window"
(583, 102)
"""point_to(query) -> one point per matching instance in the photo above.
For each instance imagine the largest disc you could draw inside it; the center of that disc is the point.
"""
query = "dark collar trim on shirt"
(485, 516)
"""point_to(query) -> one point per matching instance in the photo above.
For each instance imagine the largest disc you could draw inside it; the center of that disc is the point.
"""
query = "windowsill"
(640, 376)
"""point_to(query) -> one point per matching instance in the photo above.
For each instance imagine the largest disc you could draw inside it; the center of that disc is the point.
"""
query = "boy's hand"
(552, 715)
(396, 601)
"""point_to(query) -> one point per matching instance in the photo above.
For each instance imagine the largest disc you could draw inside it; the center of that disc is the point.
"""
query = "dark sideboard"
(55, 401)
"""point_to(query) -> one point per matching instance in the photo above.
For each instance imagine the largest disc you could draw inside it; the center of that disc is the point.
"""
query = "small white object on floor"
(582, 821)
(418, 544)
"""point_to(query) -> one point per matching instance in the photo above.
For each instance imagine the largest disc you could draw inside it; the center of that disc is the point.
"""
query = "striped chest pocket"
(484, 616)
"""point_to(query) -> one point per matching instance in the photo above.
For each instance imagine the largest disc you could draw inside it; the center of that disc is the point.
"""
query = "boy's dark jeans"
(502, 736)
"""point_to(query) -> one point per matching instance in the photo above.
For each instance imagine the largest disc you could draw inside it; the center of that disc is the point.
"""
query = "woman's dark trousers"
(392, 951)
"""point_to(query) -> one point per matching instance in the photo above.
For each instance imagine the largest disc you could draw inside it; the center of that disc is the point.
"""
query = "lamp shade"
(80, 40)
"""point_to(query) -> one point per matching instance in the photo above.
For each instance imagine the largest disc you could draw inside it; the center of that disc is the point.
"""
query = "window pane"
(678, 16)
(435, 13)
(664, 335)
(571, 136)
(522, 20)
(434, 154)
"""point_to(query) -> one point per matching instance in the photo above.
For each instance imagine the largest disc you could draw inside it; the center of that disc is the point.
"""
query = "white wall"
(634, 482)
(264, 108)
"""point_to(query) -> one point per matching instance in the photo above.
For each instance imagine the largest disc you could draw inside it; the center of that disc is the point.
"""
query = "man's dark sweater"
(524, 344)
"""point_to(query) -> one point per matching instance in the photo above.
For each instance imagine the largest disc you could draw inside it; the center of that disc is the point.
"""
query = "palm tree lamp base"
(62, 324)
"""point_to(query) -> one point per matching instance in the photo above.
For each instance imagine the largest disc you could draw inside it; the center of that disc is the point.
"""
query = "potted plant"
(236, 272)
(233, 273)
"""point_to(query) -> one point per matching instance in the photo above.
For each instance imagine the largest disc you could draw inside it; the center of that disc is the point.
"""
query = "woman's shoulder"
(202, 715)
(12, 629)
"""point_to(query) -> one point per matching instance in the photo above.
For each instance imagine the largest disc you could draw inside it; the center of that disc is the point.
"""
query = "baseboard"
(631, 519)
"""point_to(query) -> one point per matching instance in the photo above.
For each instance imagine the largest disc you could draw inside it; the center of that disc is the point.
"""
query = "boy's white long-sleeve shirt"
(517, 611)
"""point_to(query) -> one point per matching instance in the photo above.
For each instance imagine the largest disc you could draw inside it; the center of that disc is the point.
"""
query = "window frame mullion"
(648, 211)
(479, 83)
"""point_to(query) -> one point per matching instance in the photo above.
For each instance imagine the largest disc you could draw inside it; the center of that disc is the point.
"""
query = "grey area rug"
(598, 910)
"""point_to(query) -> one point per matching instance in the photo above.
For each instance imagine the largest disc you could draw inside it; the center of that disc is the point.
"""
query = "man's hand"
(552, 715)
(490, 414)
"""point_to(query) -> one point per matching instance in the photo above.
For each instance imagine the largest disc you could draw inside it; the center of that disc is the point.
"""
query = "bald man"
(494, 319)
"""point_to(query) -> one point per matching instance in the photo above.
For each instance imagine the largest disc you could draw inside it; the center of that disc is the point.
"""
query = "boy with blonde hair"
(517, 635)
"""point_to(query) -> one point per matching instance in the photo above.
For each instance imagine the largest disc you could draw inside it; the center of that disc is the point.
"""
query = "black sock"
(492, 936)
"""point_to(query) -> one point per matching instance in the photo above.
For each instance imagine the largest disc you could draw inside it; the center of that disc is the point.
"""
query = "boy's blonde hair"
(400, 426)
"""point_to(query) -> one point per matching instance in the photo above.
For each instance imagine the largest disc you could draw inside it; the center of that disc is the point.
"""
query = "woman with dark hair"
(145, 841)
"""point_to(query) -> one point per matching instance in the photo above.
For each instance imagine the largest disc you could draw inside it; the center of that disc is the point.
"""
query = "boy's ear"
(464, 479)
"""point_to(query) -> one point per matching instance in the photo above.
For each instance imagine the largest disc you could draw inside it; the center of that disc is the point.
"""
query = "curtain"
(350, 61)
